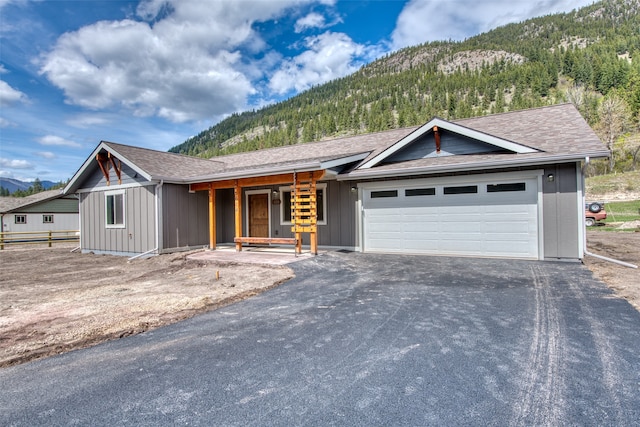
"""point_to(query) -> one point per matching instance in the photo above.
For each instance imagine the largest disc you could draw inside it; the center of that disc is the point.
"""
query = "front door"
(259, 215)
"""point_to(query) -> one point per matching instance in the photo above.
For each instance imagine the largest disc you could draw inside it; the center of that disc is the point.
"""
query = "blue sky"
(153, 73)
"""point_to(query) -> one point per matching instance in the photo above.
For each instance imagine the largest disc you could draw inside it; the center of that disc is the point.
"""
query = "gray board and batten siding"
(185, 217)
(561, 209)
(138, 234)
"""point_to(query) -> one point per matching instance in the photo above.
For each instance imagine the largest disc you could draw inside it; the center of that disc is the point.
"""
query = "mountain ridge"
(12, 185)
(516, 66)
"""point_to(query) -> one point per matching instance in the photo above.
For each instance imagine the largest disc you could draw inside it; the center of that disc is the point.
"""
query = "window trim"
(460, 189)
(47, 218)
(108, 194)
(506, 187)
(420, 192)
(285, 189)
(22, 217)
(384, 194)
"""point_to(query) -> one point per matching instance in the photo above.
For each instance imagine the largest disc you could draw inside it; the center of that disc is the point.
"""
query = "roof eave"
(461, 167)
(240, 174)
(253, 173)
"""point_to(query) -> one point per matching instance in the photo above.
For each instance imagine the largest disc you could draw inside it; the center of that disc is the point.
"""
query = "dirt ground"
(52, 300)
(622, 246)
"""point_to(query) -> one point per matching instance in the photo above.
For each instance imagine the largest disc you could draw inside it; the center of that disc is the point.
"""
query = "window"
(114, 202)
(420, 192)
(498, 188)
(465, 189)
(285, 204)
(47, 219)
(383, 194)
(20, 219)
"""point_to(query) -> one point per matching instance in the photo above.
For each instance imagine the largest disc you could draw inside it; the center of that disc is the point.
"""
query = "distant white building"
(46, 211)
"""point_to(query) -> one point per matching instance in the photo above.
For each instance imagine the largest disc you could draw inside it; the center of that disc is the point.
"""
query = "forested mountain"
(590, 57)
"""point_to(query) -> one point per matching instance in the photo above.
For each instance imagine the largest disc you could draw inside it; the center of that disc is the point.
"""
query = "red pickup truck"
(593, 212)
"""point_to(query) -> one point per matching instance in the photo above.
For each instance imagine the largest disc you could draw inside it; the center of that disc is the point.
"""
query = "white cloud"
(329, 56)
(312, 20)
(85, 121)
(45, 155)
(58, 141)
(9, 95)
(183, 63)
(15, 164)
(4, 123)
(428, 20)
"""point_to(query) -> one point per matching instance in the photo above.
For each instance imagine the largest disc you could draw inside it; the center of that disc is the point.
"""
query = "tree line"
(35, 188)
(590, 57)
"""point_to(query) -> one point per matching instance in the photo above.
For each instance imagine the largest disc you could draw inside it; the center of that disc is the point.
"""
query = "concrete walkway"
(267, 255)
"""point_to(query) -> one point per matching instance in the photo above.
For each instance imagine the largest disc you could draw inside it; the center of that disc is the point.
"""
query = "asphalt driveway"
(361, 339)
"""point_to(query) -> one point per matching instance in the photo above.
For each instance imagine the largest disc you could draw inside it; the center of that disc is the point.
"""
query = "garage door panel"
(486, 224)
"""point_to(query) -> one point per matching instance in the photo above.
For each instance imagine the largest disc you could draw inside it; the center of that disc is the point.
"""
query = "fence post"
(1, 241)
(49, 238)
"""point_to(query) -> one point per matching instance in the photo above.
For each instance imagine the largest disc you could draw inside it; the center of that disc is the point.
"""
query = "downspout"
(586, 251)
(159, 236)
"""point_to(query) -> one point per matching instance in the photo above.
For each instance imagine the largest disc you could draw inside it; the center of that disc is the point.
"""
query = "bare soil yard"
(52, 301)
(622, 246)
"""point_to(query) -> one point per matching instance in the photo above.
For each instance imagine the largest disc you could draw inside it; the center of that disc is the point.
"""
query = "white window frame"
(107, 194)
(46, 217)
(23, 219)
(287, 188)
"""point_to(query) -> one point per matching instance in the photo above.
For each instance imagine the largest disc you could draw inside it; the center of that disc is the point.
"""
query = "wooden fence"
(38, 237)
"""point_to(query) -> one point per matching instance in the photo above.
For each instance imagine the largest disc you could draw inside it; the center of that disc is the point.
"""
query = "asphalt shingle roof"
(12, 203)
(553, 131)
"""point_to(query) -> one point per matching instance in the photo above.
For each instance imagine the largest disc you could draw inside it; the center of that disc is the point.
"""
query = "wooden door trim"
(248, 193)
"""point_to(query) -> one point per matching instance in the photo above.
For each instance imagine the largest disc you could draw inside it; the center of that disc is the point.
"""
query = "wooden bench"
(265, 240)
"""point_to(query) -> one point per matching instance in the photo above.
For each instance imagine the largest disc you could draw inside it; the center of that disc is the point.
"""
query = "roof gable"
(439, 137)
(141, 163)
(8, 204)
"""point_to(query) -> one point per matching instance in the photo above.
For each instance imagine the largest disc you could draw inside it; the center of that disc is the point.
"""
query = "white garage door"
(494, 217)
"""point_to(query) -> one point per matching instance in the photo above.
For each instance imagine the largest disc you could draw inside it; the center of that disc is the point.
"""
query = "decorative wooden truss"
(106, 162)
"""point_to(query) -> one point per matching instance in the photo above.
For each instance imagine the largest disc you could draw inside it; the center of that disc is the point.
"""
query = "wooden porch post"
(212, 217)
(294, 194)
(237, 195)
(313, 234)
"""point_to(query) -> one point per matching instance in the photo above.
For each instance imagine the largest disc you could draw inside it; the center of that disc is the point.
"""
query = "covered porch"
(304, 209)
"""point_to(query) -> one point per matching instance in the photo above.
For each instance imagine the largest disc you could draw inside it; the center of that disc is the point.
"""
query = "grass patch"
(627, 182)
(617, 213)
